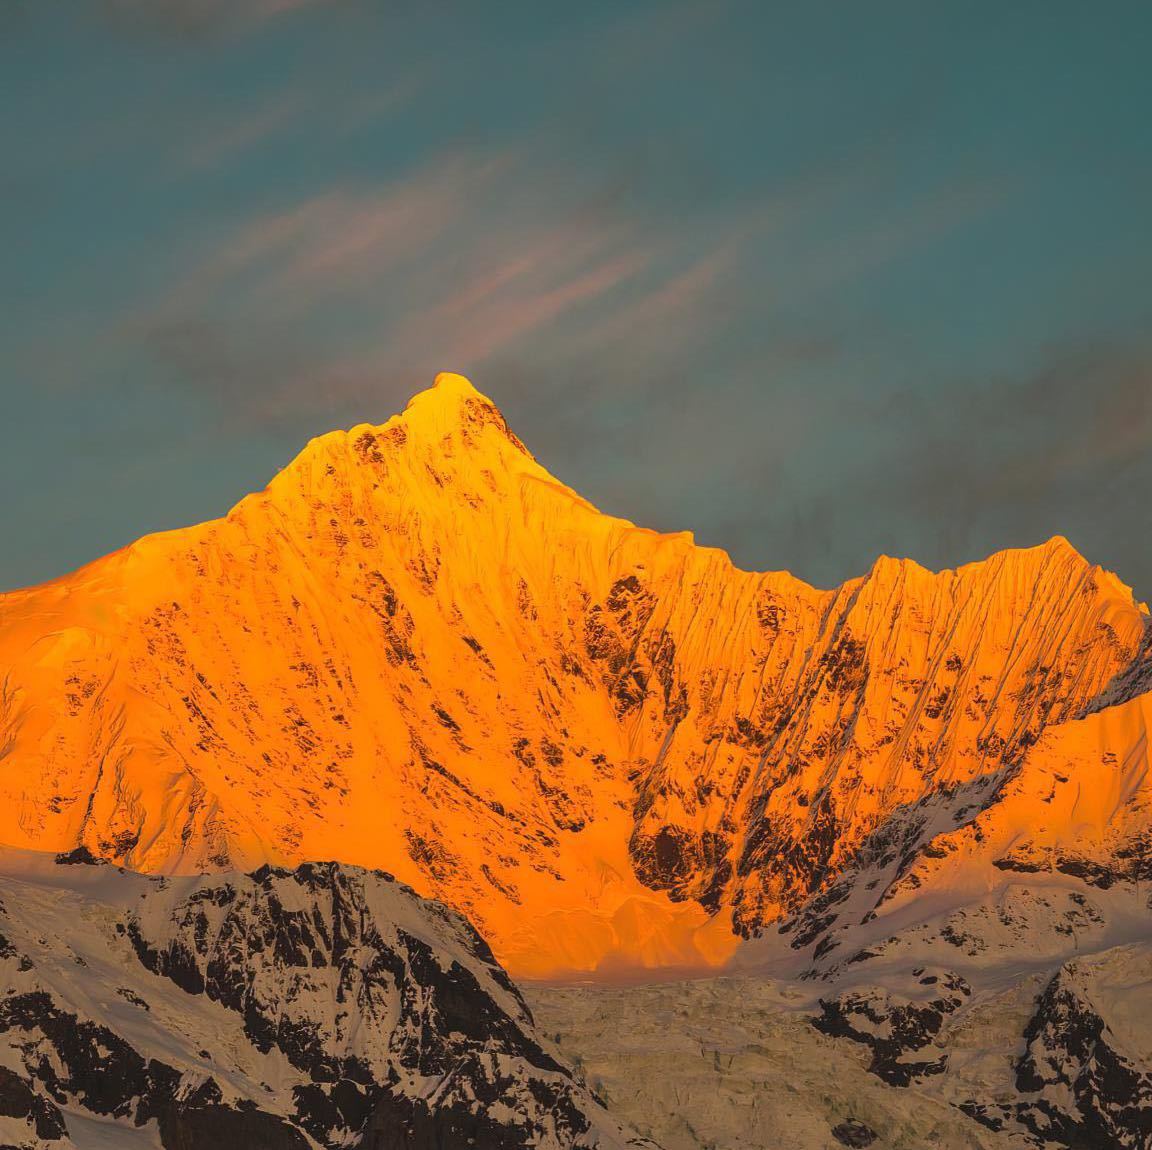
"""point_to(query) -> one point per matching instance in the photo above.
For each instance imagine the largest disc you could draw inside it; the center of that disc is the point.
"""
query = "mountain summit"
(417, 650)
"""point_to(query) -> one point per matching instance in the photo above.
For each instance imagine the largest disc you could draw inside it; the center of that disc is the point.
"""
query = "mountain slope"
(1000, 959)
(417, 650)
(283, 1010)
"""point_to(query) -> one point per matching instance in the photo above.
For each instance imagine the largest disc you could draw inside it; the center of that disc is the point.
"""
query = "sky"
(815, 280)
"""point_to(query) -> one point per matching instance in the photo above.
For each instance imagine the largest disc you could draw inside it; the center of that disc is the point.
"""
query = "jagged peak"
(884, 566)
(448, 387)
(1051, 555)
(450, 405)
(450, 401)
(1055, 548)
(444, 402)
(1058, 543)
(1058, 547)
(1059, 554)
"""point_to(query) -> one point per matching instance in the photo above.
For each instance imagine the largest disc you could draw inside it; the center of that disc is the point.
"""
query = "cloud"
(214, 146)
(344, 301)
(218, 139)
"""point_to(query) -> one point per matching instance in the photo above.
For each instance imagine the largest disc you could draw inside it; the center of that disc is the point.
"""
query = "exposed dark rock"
(80, 856)
(854, 1134)
(227, 938)
(1072, 1053)
(214, 1127)
(892, 1028)
(19, 1100)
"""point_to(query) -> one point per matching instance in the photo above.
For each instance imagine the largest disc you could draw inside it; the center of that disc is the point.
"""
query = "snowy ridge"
(285, 1010)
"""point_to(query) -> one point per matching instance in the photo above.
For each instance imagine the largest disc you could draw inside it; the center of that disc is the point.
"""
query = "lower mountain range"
(246, 767)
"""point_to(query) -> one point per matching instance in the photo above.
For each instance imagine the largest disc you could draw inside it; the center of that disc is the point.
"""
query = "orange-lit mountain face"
(418, 651)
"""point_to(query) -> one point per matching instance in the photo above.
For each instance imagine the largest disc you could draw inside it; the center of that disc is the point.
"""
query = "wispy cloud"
(338, 242)
(216, 145)
(292, 117)
(465, 261)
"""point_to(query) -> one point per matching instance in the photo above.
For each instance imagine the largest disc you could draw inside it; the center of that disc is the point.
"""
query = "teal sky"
(816, 281)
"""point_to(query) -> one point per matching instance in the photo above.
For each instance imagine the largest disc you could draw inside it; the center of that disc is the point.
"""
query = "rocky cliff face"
(1085, 1075)
(1055, 862)
(417, 650)
(284, 1010)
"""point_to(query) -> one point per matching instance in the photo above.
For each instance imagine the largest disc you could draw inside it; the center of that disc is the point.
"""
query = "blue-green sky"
(814, 280)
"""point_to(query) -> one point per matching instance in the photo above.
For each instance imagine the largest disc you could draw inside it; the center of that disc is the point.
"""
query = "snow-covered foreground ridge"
(283, 1010)
(417, 650)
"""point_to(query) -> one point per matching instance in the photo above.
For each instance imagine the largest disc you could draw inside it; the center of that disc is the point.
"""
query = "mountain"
(282, 1010)
(906, 823)
(416, 650)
